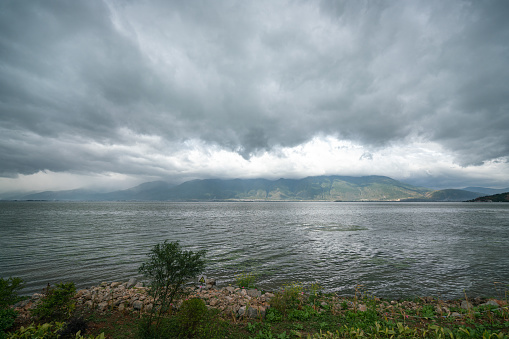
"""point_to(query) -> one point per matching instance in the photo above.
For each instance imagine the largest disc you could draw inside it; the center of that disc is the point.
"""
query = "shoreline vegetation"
(293, 311)
(170, 304)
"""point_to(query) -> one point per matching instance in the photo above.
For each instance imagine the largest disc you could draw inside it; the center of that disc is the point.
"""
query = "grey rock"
(466, 305)
(22, 303)
(115, 284)
(254, 293)
(256, 312)
(102, 306)
(230, 289)
(83, 294)
(138, 305)
(456, 315)
(252, 312)
(241, 311)
(131, 283)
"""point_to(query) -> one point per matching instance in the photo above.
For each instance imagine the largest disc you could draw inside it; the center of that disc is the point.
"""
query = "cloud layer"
(158, 89)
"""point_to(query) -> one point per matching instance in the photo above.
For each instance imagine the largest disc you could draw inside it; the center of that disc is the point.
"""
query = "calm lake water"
(393, 249)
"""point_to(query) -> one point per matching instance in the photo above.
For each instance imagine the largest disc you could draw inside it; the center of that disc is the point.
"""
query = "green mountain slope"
(502, 197)
(330, 188)
(446, 195)
(318, 188)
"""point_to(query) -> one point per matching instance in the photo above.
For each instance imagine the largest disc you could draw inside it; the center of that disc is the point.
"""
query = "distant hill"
(331, 188)
(446, 196)
(155, 190)
(319, 188)
(70, 195)
(488, 191)
(502, 197)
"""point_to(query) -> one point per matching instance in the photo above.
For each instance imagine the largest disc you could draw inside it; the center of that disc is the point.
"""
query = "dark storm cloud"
(248, 76)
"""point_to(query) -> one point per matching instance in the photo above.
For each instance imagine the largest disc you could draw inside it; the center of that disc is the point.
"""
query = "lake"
(393, 249)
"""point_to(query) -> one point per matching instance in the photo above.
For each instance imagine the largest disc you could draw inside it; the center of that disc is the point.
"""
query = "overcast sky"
(109, 94)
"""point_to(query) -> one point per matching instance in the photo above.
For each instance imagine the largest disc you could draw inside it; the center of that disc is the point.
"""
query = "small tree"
(9, 290)
(57, 303)
(168, 268)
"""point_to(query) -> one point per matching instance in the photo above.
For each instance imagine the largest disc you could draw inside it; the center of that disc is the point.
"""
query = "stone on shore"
(466, 305)
(131, 283)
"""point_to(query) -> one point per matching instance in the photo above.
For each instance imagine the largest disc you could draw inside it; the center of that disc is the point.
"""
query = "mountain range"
(316, 188)
(500, 197)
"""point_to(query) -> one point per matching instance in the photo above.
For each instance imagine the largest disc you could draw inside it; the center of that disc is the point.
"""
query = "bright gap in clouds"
(149, 159)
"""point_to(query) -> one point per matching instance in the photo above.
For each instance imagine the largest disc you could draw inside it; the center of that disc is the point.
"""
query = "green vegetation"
(9, 289)
(502, 197)
(168, 268)
(57, 303)
(246, 279)
(7, 317)
(8, 296)
(48, 331)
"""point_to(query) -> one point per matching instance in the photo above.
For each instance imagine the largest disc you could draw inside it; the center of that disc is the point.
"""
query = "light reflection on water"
(393, 249)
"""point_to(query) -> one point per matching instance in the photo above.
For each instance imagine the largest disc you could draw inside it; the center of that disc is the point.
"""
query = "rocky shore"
(132, 296)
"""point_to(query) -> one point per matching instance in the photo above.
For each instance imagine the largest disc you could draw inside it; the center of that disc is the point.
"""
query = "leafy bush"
(46, 331)
(7, 317)
(191, 315)
(8, 290)
(169, 267)
(273, 315)
(168, 328)
(8, 295)
(57, 303)
(73, 326)
(246, 279)
(289, 298)
(315, 291)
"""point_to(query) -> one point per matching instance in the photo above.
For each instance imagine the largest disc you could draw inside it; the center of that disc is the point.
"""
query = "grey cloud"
(251, 76)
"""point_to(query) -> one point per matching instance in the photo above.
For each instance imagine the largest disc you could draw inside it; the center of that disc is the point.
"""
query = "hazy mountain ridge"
(489, 191)
(501, 197)
(447, 195)
(316, 188)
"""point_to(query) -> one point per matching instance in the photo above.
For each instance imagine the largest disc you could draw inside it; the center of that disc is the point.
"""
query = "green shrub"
(73, 326)
(246, 279)
(315, 291)
(273, 315)
(46, 331)
(169, 267)
(191, 315)
(43, 331)
(168, 328)
(7, 317)
(9, 290)
(57, 303)
(289, 298)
